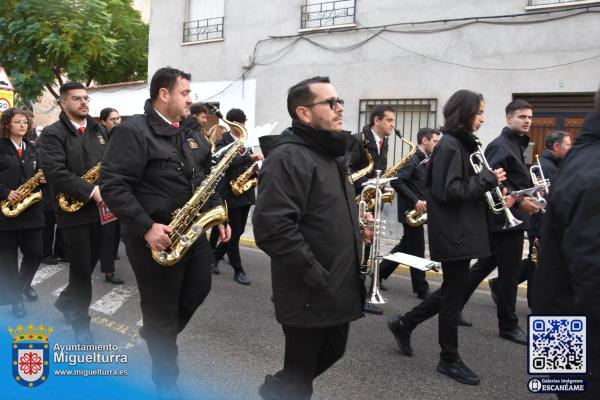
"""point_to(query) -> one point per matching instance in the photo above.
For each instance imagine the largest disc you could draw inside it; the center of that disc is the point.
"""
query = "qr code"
(557, 345)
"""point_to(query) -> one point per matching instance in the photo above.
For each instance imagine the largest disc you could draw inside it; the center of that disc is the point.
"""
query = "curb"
(401, 270)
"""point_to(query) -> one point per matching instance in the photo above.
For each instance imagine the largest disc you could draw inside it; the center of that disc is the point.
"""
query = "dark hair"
(426, 133)
(517, 105)
(166, 78)
(379, 111)
(554, 137)
(460, 110)
(236, 115)
(300, 94)
(67, 87)
(597, 102)
(198, 108)
(106, 112)
(8, 115)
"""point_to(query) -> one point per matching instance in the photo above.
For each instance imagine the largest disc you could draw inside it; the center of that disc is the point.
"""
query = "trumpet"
(541, 186)
(494, 197)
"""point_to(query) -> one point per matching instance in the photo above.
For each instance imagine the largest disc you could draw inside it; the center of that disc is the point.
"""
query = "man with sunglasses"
(306, 220)
(68, 149)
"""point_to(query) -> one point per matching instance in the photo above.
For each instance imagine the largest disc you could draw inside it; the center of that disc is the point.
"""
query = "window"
(205, 21)
(327, 13)
(411, 115)
(536, 4)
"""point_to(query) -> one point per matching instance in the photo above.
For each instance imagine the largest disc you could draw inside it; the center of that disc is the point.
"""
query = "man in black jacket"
(506, 151)
(567, 281)
(306, 220)
(68, 149)
(150, 171)
(238, 206)
(410, 186)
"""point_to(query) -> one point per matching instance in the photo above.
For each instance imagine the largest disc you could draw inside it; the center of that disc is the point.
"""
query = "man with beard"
(306, 221)
(68, 149)
(149, 172)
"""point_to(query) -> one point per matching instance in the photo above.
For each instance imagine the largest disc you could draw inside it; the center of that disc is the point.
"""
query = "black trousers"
(13, 279)
(308, 353)
(413, 243)
(53, 241)
(169, 296)
(237, 220)
(83, 243)
(507, 249)
(448, 302)
(110, 231)
(528, 270)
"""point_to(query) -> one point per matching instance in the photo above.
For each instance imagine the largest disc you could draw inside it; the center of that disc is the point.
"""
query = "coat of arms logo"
(30, 354)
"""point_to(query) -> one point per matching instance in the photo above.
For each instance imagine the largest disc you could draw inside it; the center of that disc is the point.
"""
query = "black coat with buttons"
(149, 171)
(235, 169)
(15, 171)
(66, 155)
(456, 210)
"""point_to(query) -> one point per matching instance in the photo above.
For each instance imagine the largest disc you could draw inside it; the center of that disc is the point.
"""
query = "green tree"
(42, 43)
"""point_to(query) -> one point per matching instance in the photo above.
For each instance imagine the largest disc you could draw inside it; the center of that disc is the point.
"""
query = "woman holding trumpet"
(20, 228)
(457, 229)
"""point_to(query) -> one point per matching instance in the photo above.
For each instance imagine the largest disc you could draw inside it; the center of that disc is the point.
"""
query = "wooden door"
(540, 127)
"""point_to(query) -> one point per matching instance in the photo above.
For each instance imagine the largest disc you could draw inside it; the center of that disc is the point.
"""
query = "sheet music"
(412, 261)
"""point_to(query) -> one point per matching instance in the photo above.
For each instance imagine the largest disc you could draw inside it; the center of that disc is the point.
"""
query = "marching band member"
(150, 171)
(567, 280)
(18, 163)
(306, 220)
(457, 229)
(68, 149)
(506, 151)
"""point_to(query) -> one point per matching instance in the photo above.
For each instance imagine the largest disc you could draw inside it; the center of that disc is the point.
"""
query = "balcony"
(203, 30)
(326, 15)
(542, 4)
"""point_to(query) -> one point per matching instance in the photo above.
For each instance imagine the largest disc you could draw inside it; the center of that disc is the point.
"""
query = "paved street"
(234, 340)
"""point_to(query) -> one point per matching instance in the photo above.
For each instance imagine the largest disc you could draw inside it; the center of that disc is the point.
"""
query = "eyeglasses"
(20, 122)
(332, 102)
(115, 120)
(87, 99)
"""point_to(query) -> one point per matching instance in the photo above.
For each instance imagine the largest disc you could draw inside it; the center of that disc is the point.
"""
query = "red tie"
(380, 145)
(175, 125)
(20, 152)
(82, 129)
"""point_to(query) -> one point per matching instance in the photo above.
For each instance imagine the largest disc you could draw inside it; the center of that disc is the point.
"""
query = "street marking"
(46, 272)
(59, 290)
(140, 322)
(112, 301)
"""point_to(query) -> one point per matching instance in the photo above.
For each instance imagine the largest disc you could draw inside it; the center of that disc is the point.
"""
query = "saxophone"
(11, 210)
(188, 223)
(69, 204)
(245, 181)
(388, 195)
(363, 171)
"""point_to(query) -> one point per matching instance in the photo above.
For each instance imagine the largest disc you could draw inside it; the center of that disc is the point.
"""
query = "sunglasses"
(332, 102)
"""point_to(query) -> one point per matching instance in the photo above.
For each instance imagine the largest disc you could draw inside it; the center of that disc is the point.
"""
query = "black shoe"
(62, 305)
(462, 321)
(382, 287)
(372, 309)
(18, 309)
(401, 334)
(112, 278)
(84, 336)
(265, 393)
(215, 268)
(424, 294)
(516, 335)
(241, 278)
(49, 260)
(63, 259)
(494, 289)
(30, 293)
(458, 371)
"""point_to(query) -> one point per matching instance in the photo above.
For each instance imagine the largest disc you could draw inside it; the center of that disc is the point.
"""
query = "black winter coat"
(148, 172)
(567, 280)
(66, 155)
(199, 146)
(14, 172)
(237, 166)
(506, 151)
(357, 159)
(456, 209)
(410, 184)
(550, 164)
(306, 220)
